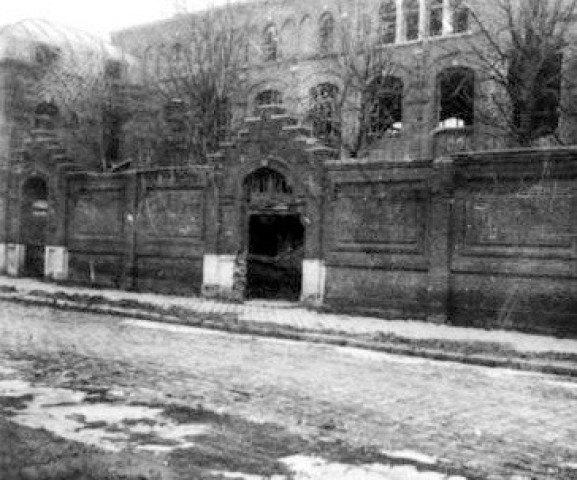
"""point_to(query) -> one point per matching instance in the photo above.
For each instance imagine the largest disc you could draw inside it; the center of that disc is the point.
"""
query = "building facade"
(391, 188)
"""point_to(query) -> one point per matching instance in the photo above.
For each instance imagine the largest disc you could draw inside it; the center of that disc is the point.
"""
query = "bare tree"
(522, 49)
(369, 106)
(79, 81)
(189, 86)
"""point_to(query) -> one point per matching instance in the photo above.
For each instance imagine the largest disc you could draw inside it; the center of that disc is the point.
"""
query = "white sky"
(99, 17)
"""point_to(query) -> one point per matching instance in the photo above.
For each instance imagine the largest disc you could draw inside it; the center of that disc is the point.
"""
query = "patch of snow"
(247, 476)
(6, 370)
(13, 388)
(411, 456)
(167, 327)
(313, 468)
(62, 412)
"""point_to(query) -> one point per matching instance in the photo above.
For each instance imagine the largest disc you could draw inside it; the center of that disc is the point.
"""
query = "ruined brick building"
(395, 188)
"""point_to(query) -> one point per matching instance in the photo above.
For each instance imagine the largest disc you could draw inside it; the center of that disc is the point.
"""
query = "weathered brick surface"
(495, 422)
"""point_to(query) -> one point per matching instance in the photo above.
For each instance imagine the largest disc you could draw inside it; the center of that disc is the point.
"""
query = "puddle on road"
(109, 426)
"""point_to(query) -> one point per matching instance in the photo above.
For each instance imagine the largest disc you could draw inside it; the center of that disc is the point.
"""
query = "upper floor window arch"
(388, 21)
(326, 32)
(270, 43)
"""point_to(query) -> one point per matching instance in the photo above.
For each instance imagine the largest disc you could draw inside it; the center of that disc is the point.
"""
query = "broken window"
(324, 112)
(536, 88)
(411, 11)
(456, 88)
(270, 43)
(436, 18)
(388, 19)
(326, 32)
(386, 106)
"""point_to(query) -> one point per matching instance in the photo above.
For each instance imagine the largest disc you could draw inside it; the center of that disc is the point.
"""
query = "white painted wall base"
(15, 254)
(313, 282)
(56, 263)
(218, 274)
(2, 258)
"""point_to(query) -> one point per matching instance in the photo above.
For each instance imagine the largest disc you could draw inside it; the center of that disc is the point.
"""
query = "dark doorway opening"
(275, 257)
(33, 225)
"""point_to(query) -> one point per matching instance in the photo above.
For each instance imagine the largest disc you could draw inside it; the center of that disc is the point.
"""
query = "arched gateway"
(274, 237)
(267, 222)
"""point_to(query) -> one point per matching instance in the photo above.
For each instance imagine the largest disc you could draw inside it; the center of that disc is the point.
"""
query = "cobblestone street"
(495, 423)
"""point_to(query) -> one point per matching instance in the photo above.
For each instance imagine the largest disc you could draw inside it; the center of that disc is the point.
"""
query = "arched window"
(411, 15)
(268, 97)
(326, 32)
(460, 16)
(46, 116)
(324, 112)
(436, 18)
(456, 87)
(270, 43)
(385, 107)
(388, 21)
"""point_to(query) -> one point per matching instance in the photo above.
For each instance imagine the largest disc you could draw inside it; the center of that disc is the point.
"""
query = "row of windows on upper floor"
(383, 115)
(384, 112)
(398, 21)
